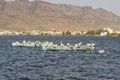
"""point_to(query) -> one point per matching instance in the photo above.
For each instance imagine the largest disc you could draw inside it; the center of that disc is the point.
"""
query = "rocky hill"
(22, 15)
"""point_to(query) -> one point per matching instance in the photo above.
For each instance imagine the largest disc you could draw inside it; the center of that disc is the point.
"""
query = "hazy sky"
(110, 5)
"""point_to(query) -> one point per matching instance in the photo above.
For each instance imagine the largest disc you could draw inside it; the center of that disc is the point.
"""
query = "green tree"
(90, 33)
(68, 33)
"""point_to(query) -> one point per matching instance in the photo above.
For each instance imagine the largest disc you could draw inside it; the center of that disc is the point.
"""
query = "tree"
(91, 33)
(68, 33)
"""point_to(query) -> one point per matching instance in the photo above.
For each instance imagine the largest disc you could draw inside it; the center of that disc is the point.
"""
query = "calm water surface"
(20, 63)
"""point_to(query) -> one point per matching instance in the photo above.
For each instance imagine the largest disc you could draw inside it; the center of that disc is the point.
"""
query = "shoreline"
(65, 35)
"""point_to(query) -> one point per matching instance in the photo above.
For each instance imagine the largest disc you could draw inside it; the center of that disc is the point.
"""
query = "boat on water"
(49, 46)
(27, 44)
(78, 47)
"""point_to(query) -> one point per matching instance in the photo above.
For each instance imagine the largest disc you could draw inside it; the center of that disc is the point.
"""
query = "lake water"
(21, 63)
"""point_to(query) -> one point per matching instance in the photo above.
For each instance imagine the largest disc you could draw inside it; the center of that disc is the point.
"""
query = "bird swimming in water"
(102, 51)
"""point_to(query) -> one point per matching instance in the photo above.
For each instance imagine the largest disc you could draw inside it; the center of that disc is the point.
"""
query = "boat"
(50, 46)
(78, 47)
(27, 44)
(56, 48)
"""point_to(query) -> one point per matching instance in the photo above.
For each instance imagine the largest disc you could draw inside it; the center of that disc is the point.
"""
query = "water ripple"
(19, 63)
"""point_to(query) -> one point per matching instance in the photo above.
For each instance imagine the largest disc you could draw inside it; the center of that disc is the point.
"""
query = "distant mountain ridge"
(22, 15)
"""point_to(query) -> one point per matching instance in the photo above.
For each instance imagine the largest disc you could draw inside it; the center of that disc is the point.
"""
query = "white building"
(109, 30)
(103, 33)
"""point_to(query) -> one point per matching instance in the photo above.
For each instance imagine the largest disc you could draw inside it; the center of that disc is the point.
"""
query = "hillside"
(21, 15)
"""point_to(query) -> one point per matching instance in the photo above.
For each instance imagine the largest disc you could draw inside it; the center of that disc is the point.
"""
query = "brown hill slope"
(39, 15)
